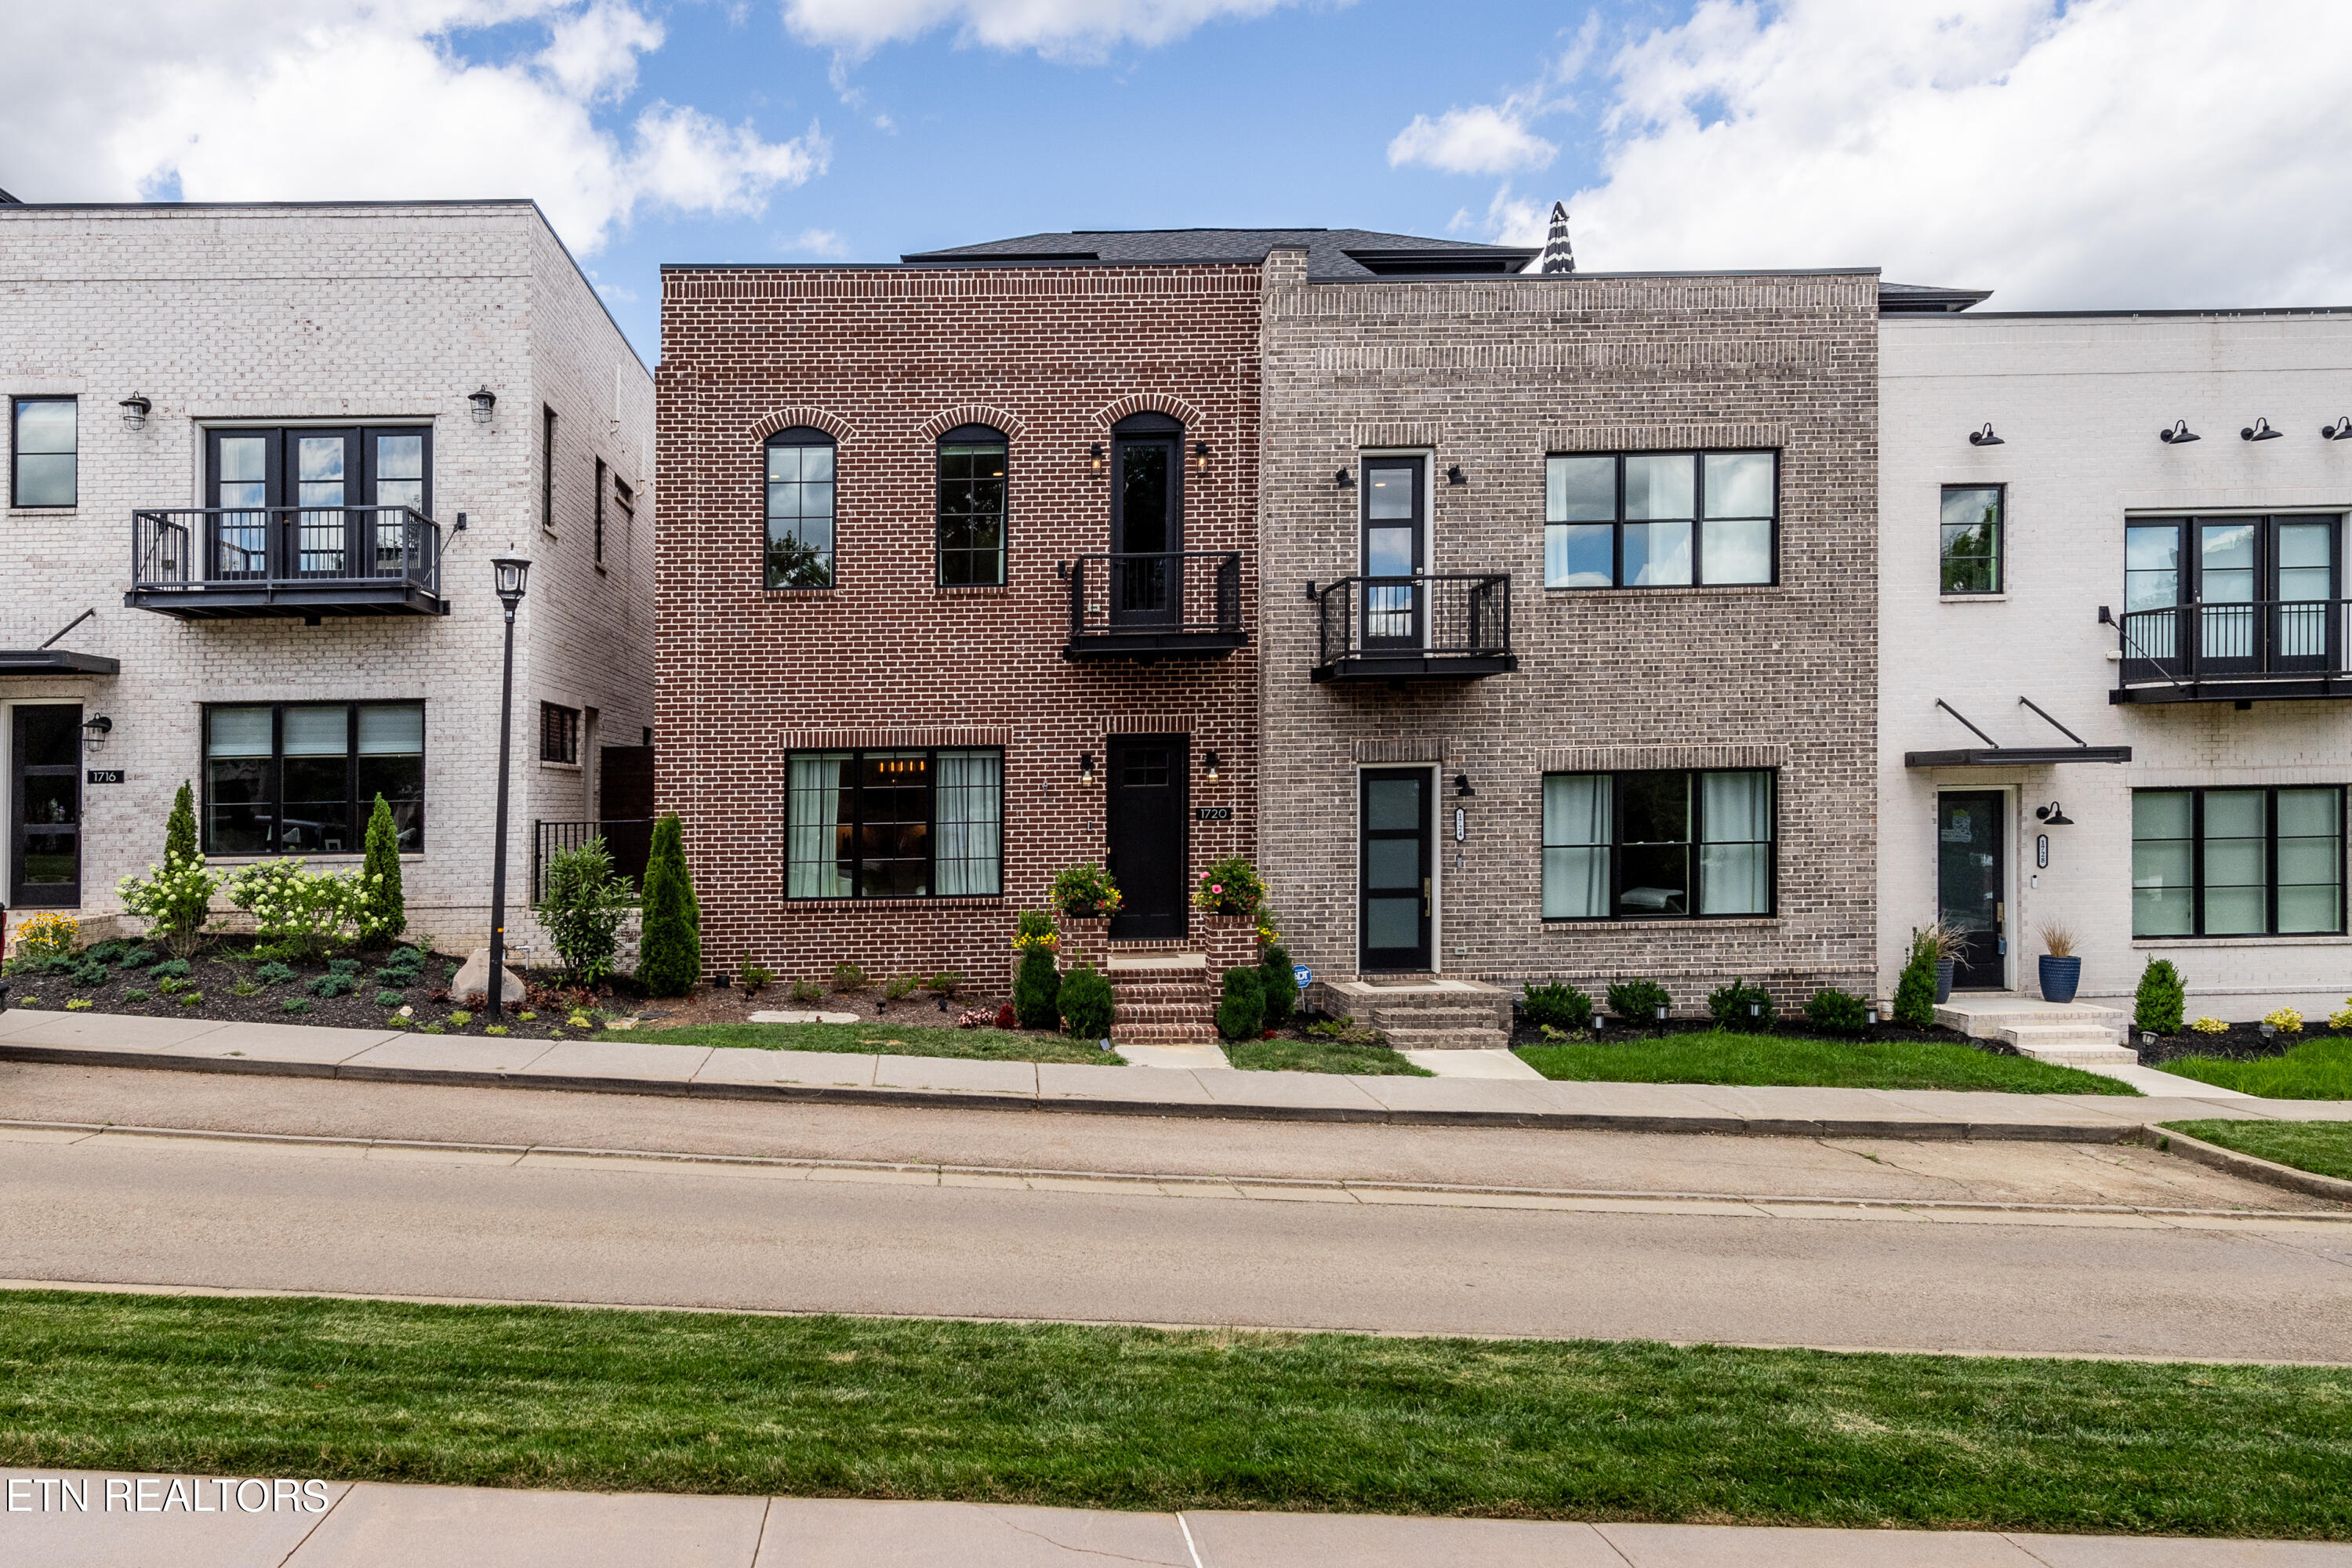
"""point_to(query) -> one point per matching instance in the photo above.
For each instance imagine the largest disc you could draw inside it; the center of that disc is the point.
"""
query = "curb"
(2118, 1131)
(2251, 1166)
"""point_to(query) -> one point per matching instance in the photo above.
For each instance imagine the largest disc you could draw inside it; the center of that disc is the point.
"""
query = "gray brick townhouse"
(259, 458)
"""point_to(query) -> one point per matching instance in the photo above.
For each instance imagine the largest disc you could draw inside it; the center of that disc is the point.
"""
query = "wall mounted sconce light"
(2260, 430)
(1344, 479)
(2054, 815)
(1094, 456)
(94, 731)
(1201, 456)
(2339, 431)
(2179, 433)
(1462, 790)
(483, 400)
(135, 410)
(1209, 766)
(1454, 475)
(1086, 767)
(1985, 437)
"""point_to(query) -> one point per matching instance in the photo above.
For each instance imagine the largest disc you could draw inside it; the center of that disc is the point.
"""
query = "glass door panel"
(46, 807)
(325, 485)
(397, 467)
(1394, 852)
(2227, 573)
(1395, 552)
(2303, 623)
(240, 537)
(1969, 885)
(2151, 599)
(1146, 521)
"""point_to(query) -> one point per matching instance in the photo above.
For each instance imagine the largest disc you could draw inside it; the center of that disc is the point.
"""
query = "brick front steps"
(1162, 996)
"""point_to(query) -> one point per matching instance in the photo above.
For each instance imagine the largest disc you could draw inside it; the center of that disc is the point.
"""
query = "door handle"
(1424, 895)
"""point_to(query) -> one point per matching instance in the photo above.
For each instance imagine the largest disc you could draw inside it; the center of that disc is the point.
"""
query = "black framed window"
(600, 511)
(301, 778)
(2255, 589)
(895, 825)
(2238, 862)
(44, 437)
(624, 501)
(1664, 845)
(1971, 544)
(559, 733)
(801, 469)
(1660, 520)
(547, 468)
(972, 507)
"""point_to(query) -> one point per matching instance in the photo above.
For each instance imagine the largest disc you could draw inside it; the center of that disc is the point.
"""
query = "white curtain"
(1735, 857)
(970, 819)
(1576, 834)
(817, 855)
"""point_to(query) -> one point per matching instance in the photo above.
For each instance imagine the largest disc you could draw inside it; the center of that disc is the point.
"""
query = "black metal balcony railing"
(1168, 603)
(629, 841)
(2222, 652)
(1442, 626)
(285, 559)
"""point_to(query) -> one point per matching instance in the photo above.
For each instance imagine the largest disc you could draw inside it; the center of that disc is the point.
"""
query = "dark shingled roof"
(1331, 253)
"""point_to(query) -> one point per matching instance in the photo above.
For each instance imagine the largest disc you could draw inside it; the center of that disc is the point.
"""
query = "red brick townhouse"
(958, 584)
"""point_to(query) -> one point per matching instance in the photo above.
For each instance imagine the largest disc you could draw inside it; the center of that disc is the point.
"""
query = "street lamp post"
(512, 572)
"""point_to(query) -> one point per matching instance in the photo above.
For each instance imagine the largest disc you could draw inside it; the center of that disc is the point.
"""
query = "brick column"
(1229, 941)
(1084, 941)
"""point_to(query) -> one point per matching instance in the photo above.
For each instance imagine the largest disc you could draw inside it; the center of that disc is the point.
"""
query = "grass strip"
(2315, 1069)
(1112, 1417)
(1320, 1056)
(1708, 1057)
(874, 1035)
(2323, 1148)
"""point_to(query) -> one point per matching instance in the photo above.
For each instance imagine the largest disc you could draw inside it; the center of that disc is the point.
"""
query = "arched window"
(800, 509)
(1146, 518)
(972, 507)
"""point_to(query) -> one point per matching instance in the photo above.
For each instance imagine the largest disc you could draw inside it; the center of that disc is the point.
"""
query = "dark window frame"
(2270, 931)
(1691, 844)
(547, 468)
(600, 513)
(356, 828)
(560, 725)
(931, 755)
(1698, 519)
(801, 435)
(14, 457)
(970, 435)
(1999, 545)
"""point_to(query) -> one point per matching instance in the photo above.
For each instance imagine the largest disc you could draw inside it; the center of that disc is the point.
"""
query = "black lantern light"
(2260, 430)
(2054, 815)
(2339, 431)
(95, 731)
(1086, 767)
(513, 574)
(484, 400)
(1454, 475)
(1201, 456)
(1985, 437)
(135, 410)
(1344, 479)
(1462, 790)
(509, 574)
(1210, 765)
(2179, 435)
(1094, 456)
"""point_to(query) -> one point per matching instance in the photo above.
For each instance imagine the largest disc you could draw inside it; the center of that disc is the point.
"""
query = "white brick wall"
(358, 312)
(2078, 402)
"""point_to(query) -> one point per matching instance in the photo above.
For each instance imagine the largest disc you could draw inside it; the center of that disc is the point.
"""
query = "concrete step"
(1159, 962)
(2067, 1043)
(1488, 1039)
(1985, 1018)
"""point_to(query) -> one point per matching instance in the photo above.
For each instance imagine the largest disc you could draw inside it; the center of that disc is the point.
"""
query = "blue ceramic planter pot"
(2060, 976)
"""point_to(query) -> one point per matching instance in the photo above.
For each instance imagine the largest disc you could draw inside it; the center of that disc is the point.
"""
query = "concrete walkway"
(367, 1525)
(618, 1066)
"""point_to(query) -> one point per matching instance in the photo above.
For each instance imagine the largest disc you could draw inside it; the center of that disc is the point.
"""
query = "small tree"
(180, 827)
(584, 907)
(1279, 981)
(1085, 1003)
(2157, 1006)
(669, 948)
(1241, 1013)
(1915, 990)
(382, 911)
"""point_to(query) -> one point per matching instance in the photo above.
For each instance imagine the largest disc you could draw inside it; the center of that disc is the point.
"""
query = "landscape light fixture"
(1454, 475)
(135, 410)
(1344, 479)
(1462, 790)
(483, 400)
(1209, 767)
(2054, 815)
(94, 731)
(1094, 456)
(2339, 431)
(2260, 430)
(2269, 1029)
(509, 574)
(1201, 456)
(1985, 437)
(1870, 1017)
(1086, 767)
(2179, 434)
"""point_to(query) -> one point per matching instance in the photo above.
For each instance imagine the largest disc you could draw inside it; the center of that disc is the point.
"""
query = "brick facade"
(886, 360)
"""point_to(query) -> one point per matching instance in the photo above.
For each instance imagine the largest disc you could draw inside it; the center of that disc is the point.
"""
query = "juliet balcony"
(1443, 626)
(1184, 603)
(218, 562)
(2270, 649)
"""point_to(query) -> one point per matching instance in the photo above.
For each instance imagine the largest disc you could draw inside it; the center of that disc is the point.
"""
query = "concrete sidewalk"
(368, 1525)
(619, 1066)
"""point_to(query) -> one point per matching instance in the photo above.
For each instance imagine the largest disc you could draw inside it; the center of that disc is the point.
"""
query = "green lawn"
(1320, 1056)
(889, 1038)
(2315, 1069)
(1087, 1417)
(2323, 1148)
(1788, 1059)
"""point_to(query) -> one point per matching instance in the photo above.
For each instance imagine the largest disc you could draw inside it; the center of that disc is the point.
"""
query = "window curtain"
(817, 856)
(1735, 857)
(1576, 834)
(971, 823)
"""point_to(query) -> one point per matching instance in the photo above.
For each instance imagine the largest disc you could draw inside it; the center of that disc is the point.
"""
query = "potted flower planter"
(2060, 976)
(1944, 967)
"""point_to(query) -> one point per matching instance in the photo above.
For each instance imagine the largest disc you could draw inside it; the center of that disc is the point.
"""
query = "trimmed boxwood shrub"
(1638, 1001)
(1837, 1013)
(1559, 1006)
(1037, 989)
(1729, 1004)
(1914, 992)
(1241, 1012)
(1085, 1003)
(2156, 1007)
(1279, 979)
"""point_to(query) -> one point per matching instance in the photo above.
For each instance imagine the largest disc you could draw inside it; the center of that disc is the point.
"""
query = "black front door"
(44, 808)
(1147, 521)
(1393, 917)
(1969, 885)
(1144, 806)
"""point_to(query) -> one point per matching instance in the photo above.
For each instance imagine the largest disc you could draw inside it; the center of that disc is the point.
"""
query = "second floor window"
(547, 468)
(972, 507)
(559, 733)
(42, 442)
(800, 509)
(1970, 545)
(2231, 595)
(1659, 519)
(600, 511)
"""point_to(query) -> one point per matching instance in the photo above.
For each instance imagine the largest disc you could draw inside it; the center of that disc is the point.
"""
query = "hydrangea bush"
(294, 907)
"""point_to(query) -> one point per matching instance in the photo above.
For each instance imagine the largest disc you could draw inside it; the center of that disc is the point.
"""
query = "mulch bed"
(2241, 1043)
(1527, 1034)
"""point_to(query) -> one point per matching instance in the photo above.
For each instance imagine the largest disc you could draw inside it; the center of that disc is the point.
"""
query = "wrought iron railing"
(1442, 616)
(284, 547)
(629, 841)
(2265, 640)
(1189, 592)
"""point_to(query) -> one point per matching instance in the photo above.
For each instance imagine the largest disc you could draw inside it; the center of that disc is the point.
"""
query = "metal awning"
(1993, 754)
(50, 659)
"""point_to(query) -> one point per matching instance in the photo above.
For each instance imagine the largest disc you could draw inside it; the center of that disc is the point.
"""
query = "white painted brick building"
(2081, 477)
(282, 329)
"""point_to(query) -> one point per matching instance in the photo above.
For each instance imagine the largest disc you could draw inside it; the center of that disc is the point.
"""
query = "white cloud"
(2107, 152)
(821, 242)
(1480, 139)
(247, 101)
(1062, 29)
